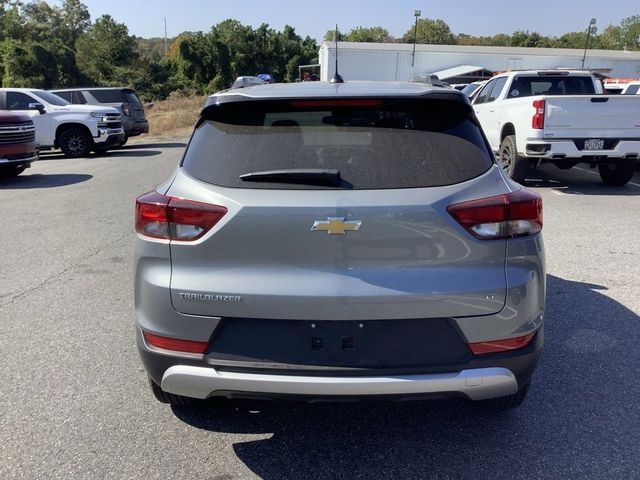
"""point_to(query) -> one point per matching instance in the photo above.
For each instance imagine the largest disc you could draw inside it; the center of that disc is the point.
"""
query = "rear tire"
(170, 398)
(505, 403)
(75, 142)
(11, 171)
(512, 164)
(617, 173)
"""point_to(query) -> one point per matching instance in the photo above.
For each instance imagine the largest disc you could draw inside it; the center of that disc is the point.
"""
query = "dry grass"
(173, 116)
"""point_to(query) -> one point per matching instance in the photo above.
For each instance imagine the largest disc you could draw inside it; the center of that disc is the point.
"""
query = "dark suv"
(124, 99)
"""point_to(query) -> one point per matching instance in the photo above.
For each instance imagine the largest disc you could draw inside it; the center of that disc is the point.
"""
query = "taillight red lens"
(172, 218)
(537, 121)
(495, 346)
(175, 344)
(516, 214)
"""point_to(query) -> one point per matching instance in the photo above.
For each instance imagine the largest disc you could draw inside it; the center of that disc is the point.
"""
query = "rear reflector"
(495, 346)
(516, 214)
(172, 218)
(175, 344)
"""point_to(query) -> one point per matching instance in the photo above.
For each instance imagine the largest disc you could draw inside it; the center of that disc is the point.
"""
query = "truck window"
(484, 93)
(19, 101)
(524, 86)
(497, 89)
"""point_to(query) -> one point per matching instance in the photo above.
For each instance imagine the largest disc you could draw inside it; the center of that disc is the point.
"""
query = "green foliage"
(435, 32)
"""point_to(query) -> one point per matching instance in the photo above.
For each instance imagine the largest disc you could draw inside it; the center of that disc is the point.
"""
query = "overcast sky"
(145, 18)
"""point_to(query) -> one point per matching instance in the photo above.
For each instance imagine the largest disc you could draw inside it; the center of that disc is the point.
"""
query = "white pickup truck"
(559, 117)
(74, 129)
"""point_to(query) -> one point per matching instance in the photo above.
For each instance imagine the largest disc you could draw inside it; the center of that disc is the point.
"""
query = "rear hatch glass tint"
(374, 144)
(109, 96)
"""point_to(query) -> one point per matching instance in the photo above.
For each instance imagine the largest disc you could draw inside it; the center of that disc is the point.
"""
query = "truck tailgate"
(597, 116)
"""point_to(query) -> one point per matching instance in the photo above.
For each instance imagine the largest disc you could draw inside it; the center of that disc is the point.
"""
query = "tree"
(106, 52)
(630, 32)
(435, 32)
(369, 34)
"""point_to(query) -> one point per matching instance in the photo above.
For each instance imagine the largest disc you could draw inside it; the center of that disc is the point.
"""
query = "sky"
(145, 18)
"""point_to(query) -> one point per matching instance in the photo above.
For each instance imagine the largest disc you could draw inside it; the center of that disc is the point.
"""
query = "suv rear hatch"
(377, 243)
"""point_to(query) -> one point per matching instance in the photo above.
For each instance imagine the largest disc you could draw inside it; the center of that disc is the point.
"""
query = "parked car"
(326, 241)
(559, 117)
(18, 147)
(74, 129)
(473, 88)
(123, 99)
(429, 79)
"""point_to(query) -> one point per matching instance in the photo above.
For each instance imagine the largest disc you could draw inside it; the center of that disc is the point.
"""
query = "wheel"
(170, 398)
(75, 142)
(512, 164)
(617, 173)
(126, 138)
(12, 171)
(505, 403)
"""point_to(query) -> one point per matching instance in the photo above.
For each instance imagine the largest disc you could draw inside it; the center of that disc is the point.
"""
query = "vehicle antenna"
(337, 78)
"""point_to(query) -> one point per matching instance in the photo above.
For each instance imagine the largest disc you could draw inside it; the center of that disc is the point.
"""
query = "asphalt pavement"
(74, 401)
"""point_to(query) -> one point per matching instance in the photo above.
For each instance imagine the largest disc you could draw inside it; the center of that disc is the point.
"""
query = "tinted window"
(78, 98)
(50, 98)
(108, 96)
(19, 101)
(484, 93)
(551, 85)
(398, 144)
(632, 90)
(65, 95)
(497, 88)
(130, 96)
(469, 89)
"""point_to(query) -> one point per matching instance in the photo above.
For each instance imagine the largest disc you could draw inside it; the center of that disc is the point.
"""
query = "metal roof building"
(461, 63)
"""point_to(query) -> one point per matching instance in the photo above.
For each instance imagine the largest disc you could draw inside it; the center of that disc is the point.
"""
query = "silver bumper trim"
(202, 382)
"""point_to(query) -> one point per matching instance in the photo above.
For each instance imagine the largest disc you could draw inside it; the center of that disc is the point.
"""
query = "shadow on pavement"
(118, 153)
(580, 418)
(38, 180)
(577, 181)
(153, 145)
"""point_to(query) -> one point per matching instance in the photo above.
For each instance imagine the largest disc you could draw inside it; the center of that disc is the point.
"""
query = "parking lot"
(75, 401)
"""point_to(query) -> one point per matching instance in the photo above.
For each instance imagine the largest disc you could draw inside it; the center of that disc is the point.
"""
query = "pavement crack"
(55, 276)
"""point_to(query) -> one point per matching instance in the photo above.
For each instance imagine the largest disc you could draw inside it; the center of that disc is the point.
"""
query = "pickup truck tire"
(75, 142)
(513, 164)
(617, 173)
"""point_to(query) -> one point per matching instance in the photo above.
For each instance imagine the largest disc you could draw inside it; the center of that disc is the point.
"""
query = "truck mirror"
(37, 106)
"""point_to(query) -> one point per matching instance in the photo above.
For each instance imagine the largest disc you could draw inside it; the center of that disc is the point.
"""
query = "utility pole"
(590, 29)
(416, 14)
(165, 36)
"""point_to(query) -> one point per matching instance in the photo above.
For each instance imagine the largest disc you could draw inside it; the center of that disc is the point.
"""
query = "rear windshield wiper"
(311, 176)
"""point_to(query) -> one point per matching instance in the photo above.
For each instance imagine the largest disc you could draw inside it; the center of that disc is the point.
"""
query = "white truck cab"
(74, 129)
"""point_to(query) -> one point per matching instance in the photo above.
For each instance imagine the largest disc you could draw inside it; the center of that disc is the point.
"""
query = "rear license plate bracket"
(594, 144)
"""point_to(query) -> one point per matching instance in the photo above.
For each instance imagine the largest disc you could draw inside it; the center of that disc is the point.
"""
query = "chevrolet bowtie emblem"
(335, 225)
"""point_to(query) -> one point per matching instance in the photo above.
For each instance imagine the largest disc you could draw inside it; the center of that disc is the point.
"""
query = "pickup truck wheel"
(11, 171)
(617, 173)
(75, 142)
(512, 164)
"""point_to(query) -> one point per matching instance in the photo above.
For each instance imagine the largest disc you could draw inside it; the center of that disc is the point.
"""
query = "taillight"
(126, 109)
(494, 346)
(537, 121)
(172, 218)
(175, 344)
(516, 214)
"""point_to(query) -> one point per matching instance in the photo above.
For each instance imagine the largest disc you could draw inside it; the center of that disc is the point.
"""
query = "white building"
(460, 64)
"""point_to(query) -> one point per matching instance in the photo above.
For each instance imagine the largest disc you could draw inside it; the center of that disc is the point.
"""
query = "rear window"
(108, 96)
(550, 85)
(632, 90)
(386, 144)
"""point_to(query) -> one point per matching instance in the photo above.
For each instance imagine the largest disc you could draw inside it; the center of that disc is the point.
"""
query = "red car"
(17, 144)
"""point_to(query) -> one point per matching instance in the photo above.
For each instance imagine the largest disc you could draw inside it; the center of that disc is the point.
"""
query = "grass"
(173, 116)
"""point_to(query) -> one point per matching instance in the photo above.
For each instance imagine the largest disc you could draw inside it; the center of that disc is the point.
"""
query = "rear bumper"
(559, 149)
(479, 378)
(203, 382)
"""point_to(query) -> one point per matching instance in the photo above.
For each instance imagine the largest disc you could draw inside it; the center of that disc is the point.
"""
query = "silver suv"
(336, 241)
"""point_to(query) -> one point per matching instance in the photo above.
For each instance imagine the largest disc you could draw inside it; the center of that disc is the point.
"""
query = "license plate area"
(346, 344)
(594, 144)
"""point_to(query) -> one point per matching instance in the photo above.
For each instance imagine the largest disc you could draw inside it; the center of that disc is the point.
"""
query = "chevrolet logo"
(335, 225)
